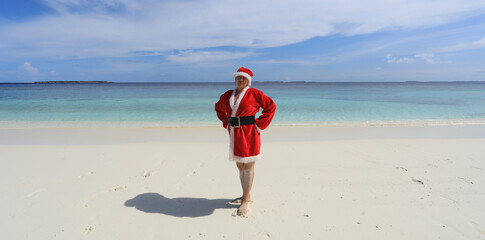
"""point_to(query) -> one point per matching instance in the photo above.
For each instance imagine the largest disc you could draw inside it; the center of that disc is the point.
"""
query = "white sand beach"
(374, 182)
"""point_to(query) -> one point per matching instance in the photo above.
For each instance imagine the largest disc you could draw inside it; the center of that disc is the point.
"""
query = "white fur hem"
(245, 159)
(234, 103)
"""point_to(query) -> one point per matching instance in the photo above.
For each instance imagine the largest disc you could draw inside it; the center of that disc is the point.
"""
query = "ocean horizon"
(191, 104)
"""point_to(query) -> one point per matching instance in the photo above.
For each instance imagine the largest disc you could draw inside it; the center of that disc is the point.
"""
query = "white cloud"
(292, 61)
(480, 42)
(27, 66)
(426, 57)
(391, 59)
(465, 46)
(89, 28)
(67, 6)
(30, 68)
(205, 56)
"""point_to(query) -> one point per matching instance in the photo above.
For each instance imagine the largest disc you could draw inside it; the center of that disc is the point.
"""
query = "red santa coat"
(245, 141)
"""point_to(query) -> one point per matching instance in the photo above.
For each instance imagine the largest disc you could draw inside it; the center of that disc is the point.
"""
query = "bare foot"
(236, 201)
(243, 210)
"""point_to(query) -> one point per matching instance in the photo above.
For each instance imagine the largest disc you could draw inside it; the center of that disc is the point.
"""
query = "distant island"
(72, 82)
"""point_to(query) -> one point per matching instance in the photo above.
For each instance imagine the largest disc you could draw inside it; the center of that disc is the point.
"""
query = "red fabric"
(245, 70)
(247, 141)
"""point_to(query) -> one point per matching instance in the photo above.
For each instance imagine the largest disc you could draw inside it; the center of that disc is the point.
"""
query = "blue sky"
(192, 41)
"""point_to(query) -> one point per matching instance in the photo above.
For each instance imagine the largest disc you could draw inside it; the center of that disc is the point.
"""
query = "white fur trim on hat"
(244, 75)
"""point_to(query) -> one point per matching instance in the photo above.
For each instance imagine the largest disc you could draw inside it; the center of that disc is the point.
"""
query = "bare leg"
(246, 175)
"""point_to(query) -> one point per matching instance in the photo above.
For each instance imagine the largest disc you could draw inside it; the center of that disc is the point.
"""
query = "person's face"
(241, 82)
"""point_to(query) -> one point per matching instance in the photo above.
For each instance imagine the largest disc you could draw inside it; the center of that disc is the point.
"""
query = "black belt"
(239, 121)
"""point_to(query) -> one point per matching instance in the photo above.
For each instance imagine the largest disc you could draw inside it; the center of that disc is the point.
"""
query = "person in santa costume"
(237, 109)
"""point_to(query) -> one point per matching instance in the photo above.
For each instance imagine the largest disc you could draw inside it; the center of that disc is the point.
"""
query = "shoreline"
(155, 125)
(126, 135)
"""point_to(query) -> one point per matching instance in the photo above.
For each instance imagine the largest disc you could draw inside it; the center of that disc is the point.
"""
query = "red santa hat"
(245, 73)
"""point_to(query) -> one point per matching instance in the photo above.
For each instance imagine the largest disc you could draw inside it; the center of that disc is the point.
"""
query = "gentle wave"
(192, 104)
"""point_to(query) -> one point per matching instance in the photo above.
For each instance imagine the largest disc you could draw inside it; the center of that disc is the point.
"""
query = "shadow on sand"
(177, 207)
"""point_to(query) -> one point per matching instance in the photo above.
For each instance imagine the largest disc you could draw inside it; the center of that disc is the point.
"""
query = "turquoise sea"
(192, 104)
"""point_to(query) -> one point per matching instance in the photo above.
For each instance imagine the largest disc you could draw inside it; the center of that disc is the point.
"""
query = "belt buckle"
(238, 122)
